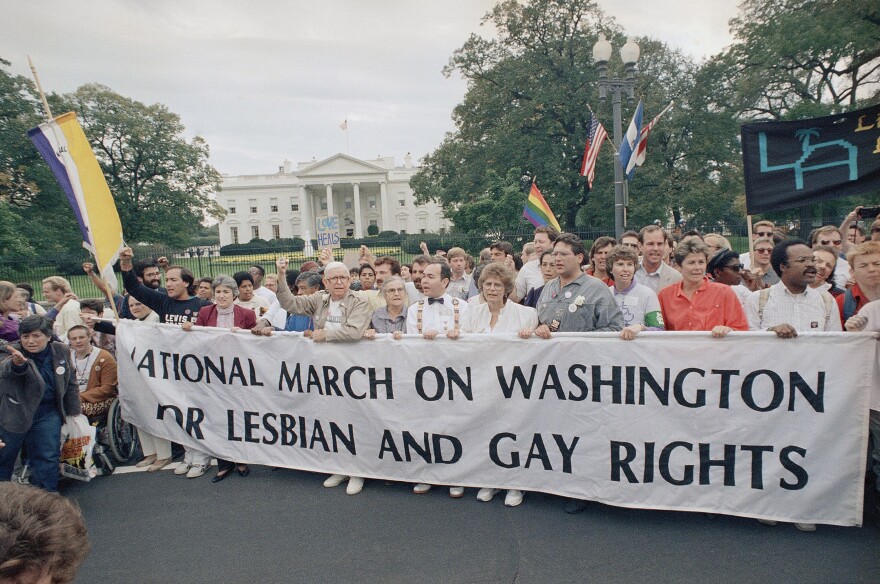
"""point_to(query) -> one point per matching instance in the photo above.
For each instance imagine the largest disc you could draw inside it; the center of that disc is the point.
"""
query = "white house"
(360, 192)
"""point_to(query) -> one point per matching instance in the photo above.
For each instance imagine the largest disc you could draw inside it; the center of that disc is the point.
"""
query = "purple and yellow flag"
(537, 211)
(63, 145)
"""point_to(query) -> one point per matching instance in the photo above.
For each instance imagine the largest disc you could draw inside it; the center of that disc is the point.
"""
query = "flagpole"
(49, 118)
(40, 89)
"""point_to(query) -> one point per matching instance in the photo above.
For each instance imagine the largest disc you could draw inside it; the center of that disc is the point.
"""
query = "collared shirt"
(460, 288)
(583, 305)
(857, 295)
(529, 277)
(656, 281)
(512, 318)
(712, 305)
(426, 316)
(383, 323)
(807, 311)
(639, 305)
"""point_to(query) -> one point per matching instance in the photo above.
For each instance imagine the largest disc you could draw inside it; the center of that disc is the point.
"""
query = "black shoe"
(243, 472)
(221, 475)
(575, 506)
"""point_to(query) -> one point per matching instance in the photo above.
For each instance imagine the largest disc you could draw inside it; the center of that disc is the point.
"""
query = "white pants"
(154, 445)
(195, 457)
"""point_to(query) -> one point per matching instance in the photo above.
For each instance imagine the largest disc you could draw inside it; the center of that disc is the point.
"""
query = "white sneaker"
(456, 492)
(513, 498)
(486, 494)
(335, 480)
(421, 488)
(196, 471)
(355, 485)
(182, 468)
(808, 527)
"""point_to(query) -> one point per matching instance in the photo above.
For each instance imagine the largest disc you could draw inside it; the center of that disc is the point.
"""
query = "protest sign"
(748, 425)
(328, 232)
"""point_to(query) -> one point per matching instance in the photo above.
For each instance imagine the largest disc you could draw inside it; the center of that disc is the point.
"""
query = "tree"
(161, 182)
(526, 111)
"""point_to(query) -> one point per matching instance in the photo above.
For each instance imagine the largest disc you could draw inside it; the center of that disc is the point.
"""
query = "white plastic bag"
(77, 444)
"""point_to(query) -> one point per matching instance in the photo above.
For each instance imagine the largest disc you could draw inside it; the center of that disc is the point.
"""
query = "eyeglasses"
(735, 267)
(337, 278)
(831, 242)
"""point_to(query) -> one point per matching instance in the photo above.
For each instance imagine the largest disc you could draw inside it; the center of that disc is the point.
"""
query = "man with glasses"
(760, 230)
(831, 236)
(761, 274)
(530, 277)
(791, 306)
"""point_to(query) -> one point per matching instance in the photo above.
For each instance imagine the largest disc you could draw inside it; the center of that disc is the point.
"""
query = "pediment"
(341, 164)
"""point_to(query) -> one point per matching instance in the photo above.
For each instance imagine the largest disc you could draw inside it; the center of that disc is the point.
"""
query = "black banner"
(790, 164)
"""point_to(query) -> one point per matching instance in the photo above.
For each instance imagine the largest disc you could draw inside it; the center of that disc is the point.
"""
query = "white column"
(306, 217)
(386, 212)
(358, 221)
(330, 200)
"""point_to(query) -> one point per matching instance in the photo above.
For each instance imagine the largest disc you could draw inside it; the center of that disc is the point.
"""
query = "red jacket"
(243, 317)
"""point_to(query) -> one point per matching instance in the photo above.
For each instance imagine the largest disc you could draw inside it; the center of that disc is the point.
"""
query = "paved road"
(282, 526)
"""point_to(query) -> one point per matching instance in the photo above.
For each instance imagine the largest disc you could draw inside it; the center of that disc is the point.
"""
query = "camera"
(869, 212)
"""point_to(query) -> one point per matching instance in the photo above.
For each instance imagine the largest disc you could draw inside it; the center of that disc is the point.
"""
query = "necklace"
(81, 371)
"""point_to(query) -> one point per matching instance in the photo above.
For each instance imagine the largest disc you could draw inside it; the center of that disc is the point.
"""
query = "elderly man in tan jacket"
(339, 315)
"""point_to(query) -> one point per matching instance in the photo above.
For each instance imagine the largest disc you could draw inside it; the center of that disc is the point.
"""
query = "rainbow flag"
(65, 148)
(537, 211)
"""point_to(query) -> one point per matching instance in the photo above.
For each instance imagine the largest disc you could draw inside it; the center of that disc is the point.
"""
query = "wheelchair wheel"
(123, 439)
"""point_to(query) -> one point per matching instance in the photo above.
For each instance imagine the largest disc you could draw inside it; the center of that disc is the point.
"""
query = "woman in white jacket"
(498, 315)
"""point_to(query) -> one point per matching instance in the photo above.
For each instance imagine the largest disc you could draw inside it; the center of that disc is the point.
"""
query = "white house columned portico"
(361, 193)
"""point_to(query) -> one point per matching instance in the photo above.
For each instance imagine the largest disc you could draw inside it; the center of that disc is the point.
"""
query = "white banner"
(747, 425)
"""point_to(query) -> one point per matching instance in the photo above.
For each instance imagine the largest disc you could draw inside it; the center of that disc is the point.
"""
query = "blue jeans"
(43, 443)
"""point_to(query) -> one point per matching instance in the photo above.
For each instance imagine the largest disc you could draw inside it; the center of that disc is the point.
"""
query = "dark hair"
(207, 280)
(395, 265)
(621, 252)
(260, 269)
(95, 304)
(420, 259)
(779, 255)
(504, 246)
(290, 277)
(33, 323)
(630, 233)
(573, 241)
(445, 270)
(368, 267)
(517, 261)
(312, 279)
(719, 261)
(187, 276)
(355, 270)
(600, 243)
(141, 265)
(240, 277)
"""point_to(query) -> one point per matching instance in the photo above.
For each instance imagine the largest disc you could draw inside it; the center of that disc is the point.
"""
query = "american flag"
(597, 137)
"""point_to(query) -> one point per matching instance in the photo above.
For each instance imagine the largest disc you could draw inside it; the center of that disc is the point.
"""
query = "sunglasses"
(735, 267)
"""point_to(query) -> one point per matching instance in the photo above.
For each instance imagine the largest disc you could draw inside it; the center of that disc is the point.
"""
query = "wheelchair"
(116, 442)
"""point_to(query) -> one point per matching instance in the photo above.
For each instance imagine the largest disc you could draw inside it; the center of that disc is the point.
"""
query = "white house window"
(323, 205)
(401, 202)
(253, 205)
(294, 207)
(233, 234)
(255, 232)
(273, 205)
(231, 207)
(372, 202)
(276, 232)
(349, 204)
(374, 222)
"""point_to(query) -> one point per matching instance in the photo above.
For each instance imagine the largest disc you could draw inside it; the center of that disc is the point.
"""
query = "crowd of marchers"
(60, 361)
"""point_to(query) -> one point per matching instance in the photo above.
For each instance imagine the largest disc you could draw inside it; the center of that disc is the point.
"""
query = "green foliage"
(372, 230)
(526, 111)
(257, 246)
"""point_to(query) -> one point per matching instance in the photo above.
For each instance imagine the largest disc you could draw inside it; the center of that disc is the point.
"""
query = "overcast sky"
(262, 81)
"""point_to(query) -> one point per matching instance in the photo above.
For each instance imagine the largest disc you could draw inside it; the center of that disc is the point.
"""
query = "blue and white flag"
(631, 138)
